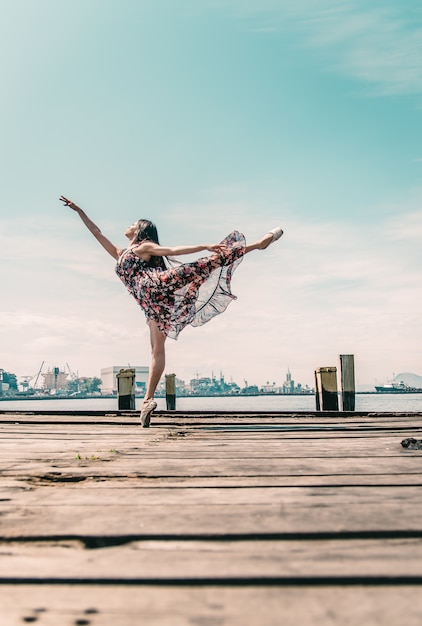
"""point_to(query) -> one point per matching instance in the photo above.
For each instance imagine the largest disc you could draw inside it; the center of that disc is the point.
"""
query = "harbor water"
(384, 402)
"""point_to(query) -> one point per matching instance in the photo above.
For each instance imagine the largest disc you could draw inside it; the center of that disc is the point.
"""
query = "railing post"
(347, 370)
(126, 389)
(171, 392)
(326, 389)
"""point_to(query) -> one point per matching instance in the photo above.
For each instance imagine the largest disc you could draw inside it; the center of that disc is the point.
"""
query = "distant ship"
(400, 387)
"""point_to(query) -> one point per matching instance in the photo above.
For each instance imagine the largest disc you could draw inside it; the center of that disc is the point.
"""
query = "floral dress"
(190, 293)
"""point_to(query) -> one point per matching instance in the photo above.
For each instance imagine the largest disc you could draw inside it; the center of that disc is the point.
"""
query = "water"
(364, 402)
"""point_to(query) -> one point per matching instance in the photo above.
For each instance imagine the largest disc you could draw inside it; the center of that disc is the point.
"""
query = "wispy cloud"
(379, 46)
(378, 43)
(32, 241)
(407, 228)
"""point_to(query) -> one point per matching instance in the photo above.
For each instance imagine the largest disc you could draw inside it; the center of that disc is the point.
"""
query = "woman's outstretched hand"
(217, 247)
(69, 203)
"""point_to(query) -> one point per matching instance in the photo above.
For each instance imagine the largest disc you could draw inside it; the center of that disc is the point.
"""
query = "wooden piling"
(347, 371)
(171, 392)
(126, 389)
(317, 399)
(326, 389)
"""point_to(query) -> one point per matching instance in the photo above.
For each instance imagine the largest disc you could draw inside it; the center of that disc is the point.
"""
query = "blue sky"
(205, 117)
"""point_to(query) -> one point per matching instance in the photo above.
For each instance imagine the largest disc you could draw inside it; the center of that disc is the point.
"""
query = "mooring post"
(326, 389)
(317, 398)
(317, 391)
(347, 371)
(126, 389)
(171, 392)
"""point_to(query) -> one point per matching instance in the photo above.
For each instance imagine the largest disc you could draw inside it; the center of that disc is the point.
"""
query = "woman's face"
(131, 231)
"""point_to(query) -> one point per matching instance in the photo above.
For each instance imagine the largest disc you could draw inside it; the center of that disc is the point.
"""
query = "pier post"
(347, 375)
(326, 389)
(126, 389)
(317, 398)
(171, 392)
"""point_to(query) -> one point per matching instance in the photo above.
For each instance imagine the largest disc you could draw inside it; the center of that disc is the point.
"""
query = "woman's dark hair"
(147, 231)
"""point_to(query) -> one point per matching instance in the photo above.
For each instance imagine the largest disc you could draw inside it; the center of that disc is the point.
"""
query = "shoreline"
(214, 395)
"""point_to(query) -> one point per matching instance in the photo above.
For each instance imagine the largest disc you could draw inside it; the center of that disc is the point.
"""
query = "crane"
(26, 379)
(38, 375)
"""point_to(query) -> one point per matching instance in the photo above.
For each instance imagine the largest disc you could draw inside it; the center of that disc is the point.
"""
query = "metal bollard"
(126, 389)
(171, 392)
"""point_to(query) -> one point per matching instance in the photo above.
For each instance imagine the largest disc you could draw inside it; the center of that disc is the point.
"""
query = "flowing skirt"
(190, 293)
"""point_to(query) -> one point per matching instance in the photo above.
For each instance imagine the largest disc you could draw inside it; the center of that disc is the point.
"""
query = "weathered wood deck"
(210, 519)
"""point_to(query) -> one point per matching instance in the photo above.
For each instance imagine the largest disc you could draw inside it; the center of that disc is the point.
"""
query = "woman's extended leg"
(264, 242)
(158, 361)
(198, 272)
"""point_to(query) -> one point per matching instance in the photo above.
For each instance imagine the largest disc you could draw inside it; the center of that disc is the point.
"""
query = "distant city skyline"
(46, 370)
(410, 377)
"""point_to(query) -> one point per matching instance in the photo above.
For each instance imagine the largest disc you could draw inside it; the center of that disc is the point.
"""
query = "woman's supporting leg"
(158, 359)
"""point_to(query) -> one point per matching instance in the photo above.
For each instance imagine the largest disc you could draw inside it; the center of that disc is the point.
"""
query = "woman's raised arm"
(93, 228)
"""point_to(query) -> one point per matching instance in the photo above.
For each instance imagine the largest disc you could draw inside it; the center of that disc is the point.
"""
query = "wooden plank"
(202, 434)
(213, 424)
(215, 418)
(66, 480)
(170, 559)
(92, 494)
(136, 465)
(294, 511)
(77, 449)
(97, 605)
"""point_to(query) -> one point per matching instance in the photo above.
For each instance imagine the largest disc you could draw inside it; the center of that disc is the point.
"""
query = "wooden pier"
(210, 519)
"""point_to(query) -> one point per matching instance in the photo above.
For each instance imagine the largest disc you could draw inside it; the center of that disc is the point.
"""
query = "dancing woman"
(173, 297)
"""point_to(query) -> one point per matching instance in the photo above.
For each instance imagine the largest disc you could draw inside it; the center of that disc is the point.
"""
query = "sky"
(207, 116)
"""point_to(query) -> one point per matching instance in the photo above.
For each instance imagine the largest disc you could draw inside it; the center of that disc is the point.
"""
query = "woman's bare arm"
(93, 228)
(149, 248)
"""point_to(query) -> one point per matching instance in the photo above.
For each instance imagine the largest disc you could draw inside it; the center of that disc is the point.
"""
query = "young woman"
(173, 297)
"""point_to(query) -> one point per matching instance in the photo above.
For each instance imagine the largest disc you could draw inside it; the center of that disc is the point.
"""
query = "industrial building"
(109, 380)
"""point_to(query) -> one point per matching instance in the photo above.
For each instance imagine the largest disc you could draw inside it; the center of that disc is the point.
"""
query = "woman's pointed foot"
(271, 236)
(147, 408)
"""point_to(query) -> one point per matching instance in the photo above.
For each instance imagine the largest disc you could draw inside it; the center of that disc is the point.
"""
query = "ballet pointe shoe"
(147, 409)
(275, 233)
